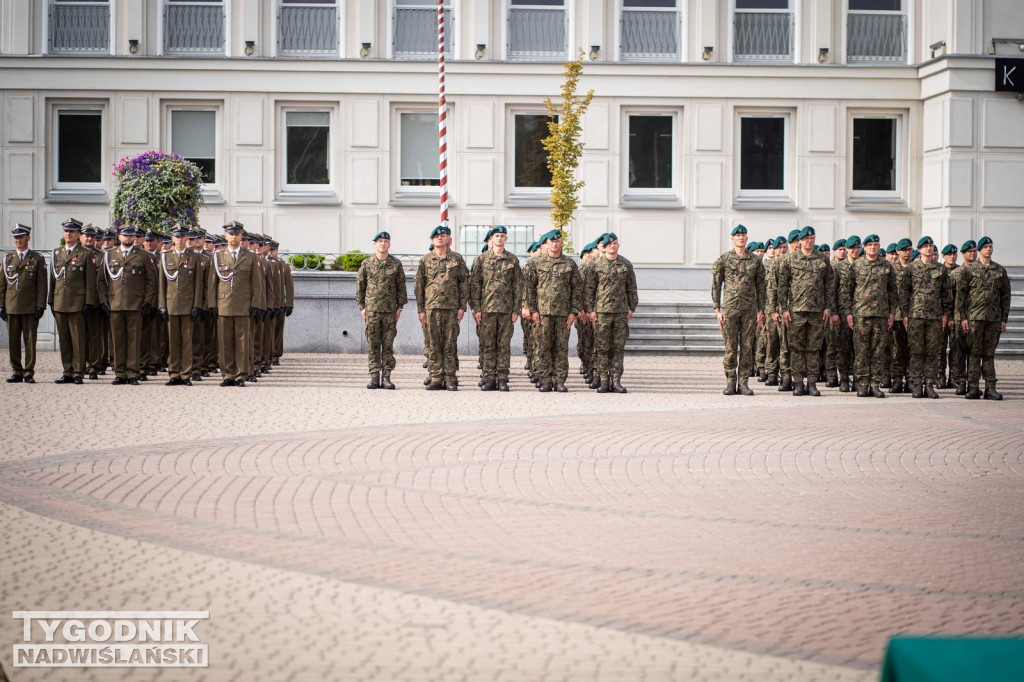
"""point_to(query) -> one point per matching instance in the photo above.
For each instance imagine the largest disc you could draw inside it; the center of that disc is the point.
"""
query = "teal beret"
(499, 229)
(890, 248)
(823, 248)
(793, 235)
(852, 241)
(440, 229)
(588, 248)
(808, 231)
(780, 240)
(609, 237)
(881, 251)
(904, 243)
(914, 254)
(839, 244)
(431, 248)
(489, 234)
(739, 229)
(968, 245)
(948, 249)
(381, 235)
(551, 235)
(758, 245)
(984, 241)
(924, 241)
(532, 247)
(871, 238)
(484, 250)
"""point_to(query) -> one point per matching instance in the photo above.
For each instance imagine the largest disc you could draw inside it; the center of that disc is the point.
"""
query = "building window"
(414, 29)
(79, 149)
(193, 136)
(650, 29)
(307, 28)
(419, 162)
(536, 29)
(651, 148)
(876, 158)
(307, 149)
(530, 161)
(194, 27)
(763, 31)
(765, 157)
(876, 31)
(471, 239)
(79, 27)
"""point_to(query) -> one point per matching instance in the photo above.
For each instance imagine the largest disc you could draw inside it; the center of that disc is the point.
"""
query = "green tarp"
(954, 659)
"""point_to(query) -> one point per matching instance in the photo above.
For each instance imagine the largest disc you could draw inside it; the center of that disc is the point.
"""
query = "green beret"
(440, 229)
(968, 245)
(904, 243)
(871, 238)
(609, 237)
(808, 231)
(914, 254)
(588, 248)
(381, 235)
(793, 235)
(984, 241)
(948, 249)
(824, 248)
(890, 248)
(852, 241)
(532, 247)
(839, 244)
(484, 250)
(924, 241)
(739, 229)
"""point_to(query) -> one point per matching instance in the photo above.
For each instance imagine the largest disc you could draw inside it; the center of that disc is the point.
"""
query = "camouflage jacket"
(806, 284)
(983, 292)
(771, 284)
(441, 283)
(553, 285)
(869, 289)
(954, 285)
(496, 283)
(738, 282)
(925, 291)
(899, 270)
(380, 285)
(610, 286)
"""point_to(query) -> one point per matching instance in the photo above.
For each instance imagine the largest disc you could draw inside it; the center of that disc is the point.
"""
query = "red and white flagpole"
(442, 114)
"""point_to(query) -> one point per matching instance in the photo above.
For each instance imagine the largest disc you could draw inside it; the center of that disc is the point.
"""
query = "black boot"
(424, 364)
(617, 386)
(762, 377)
(374, 381)
(489, 385)
(426, 382)
(544, 386)
(605, 387)
(502, 385)
(787, 385)
(743, 389)
(730, 386)
(812, 389)
(844, 386)
(799, 389)
(833, 380)
(876, 391)
(435, 385)
(973, 392)
(385, 382)
(559, 387)
(918, 390)
(897, 386)
(451, 385)
(773, 380)
(929, 391)
(886, 382)
(991, 393)
(961, 388)
(863, 391)
(595, 380)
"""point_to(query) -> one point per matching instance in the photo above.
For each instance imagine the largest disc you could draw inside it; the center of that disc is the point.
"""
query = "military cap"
(151, 236)
(246, 237)
(923, 241)
(166, 239)
(588, 248)
(126, 231)
(21, 230)
(808, 231)
(852, 241)
(739, 229)
(751, 246)
(499, 229)
(984, 241)
(109, 234)
(484, 249)
(194, 234)
(890, 248)
(758, 246)
(968, 245)
(948, 249)
(824, 247)
(440, 229)
(770, 244)
(430, 248)
(904, 243)
(234, 227)
(180, 231)
(793, 235)
(381, 235)
(89, 230)
(871, 238)
(881, 251)
(209, 238)
(221, 241)
(557, 234)
(533, 247)
(839, 244)
(609, 237)
(914, 254)
(274, 246)
(72, 225)
(487, 237)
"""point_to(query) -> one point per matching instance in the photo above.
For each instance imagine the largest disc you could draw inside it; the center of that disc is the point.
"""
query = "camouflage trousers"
(552, 348)
(760, 348)
(900, 351)
(738, 330)
(958, 354)
(805, 337)
(528, 330)
(495, 334)
(381, 329)
(831, 353)
(610, 335)
(776, 359)
(844, 349)
(983, 337)
(584, 342)
(871, 340)
(923, 339)
(443, 339)
(949, 351)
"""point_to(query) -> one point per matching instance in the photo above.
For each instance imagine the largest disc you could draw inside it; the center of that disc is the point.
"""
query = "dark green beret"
(839, 244)
(440, 229)
(793, 235)
(808, 231)
(852, 241)
(948, 249)
(381, 235)
(984, 241)
(609, 237)
(914, 254)
(924, 241)
(890, 248)
(739, 229)
(532, 247)
(824, 248)
(904, 243)
(968, 245)
(871, 238)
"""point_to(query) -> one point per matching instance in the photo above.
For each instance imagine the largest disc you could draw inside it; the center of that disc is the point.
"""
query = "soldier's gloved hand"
(106, 308)
(213, 311)
(288, 311)
(144, 308)
(263, 314)
(86, 308)
(3, 314)
(253, 312)
(39, 314)
(195, 313)
(163, 314)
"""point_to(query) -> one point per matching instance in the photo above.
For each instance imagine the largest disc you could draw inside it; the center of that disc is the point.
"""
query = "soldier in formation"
(127, 288)
(381, 294)
(868, 306)
(738, 295)
(927, 305)
(983, 304)
(495, 295)
(22, 301)
(442, 292)
(72, 294)
(610, 299)
(182, 286)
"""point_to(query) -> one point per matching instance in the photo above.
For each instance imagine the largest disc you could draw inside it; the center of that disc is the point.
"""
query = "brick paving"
(670, 533)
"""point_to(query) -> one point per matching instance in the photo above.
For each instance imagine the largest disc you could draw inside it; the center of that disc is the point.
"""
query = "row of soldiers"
(550, 294)
(141, 302)
(865, 320)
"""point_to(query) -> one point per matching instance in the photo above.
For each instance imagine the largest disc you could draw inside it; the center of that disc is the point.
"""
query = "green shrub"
(308, 261)
(349, 262)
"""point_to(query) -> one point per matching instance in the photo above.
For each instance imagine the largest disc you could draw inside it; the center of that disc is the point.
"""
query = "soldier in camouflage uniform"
(495, 294)
(806, 294)
(832, 332)
(525, 321)
(381, 295)
(868, 297)
(900, 349)
(584, 327)
(958, 349)
(554, 291)
(760, 347)
(610, 298)
(948, 340)
(442, 292)
(983, 302)
(776, 361)
(740, 311)
(927, 303)
(844, 335)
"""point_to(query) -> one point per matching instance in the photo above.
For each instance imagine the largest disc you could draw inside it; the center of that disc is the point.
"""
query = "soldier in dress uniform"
(181, 292)
(152, 326)
(208, 361)
(554, 291)
(983, 300)
(22, 302)
(287, 300)
(128, 290)
(238, 293)
(495, 295)
(442, 292)
(72, 294)
(381, 294)
(95, 338)
(927, 303)
(741, 277)
(610, 298)
(274, 288)
(867, 296)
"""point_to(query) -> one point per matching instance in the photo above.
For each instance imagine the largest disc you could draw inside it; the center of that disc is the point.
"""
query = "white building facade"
(315, 121)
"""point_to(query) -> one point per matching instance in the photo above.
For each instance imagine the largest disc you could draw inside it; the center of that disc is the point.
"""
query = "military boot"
(437, 385)
(941, 382)
(833, 380)
(502, 385)
(424, 364)
(886, 381)
(821, 375)
(489, 385)
(605, 387)
(772, 380)
(973, 392)
(812, 389)
(990, 391)
(961, 388)
(897, 386)
(596, 381)
(451, 385)
(374, 381)
(742, 388)
(876, 392)
(583, 369)
(617, 386)
(426, 382)
(864, 391)
(762, 377)
(787, 384)
(544, 386)
(559, 387)
(730, 386)
(844, 385)
(929, 391)
(918, 390)
(799, 389)
(385, 382)
(483, 380)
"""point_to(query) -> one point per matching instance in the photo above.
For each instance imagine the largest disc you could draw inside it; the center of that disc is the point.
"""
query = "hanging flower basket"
(154, 190)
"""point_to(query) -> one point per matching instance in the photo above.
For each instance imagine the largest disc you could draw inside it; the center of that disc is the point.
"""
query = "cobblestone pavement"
(673, 533)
